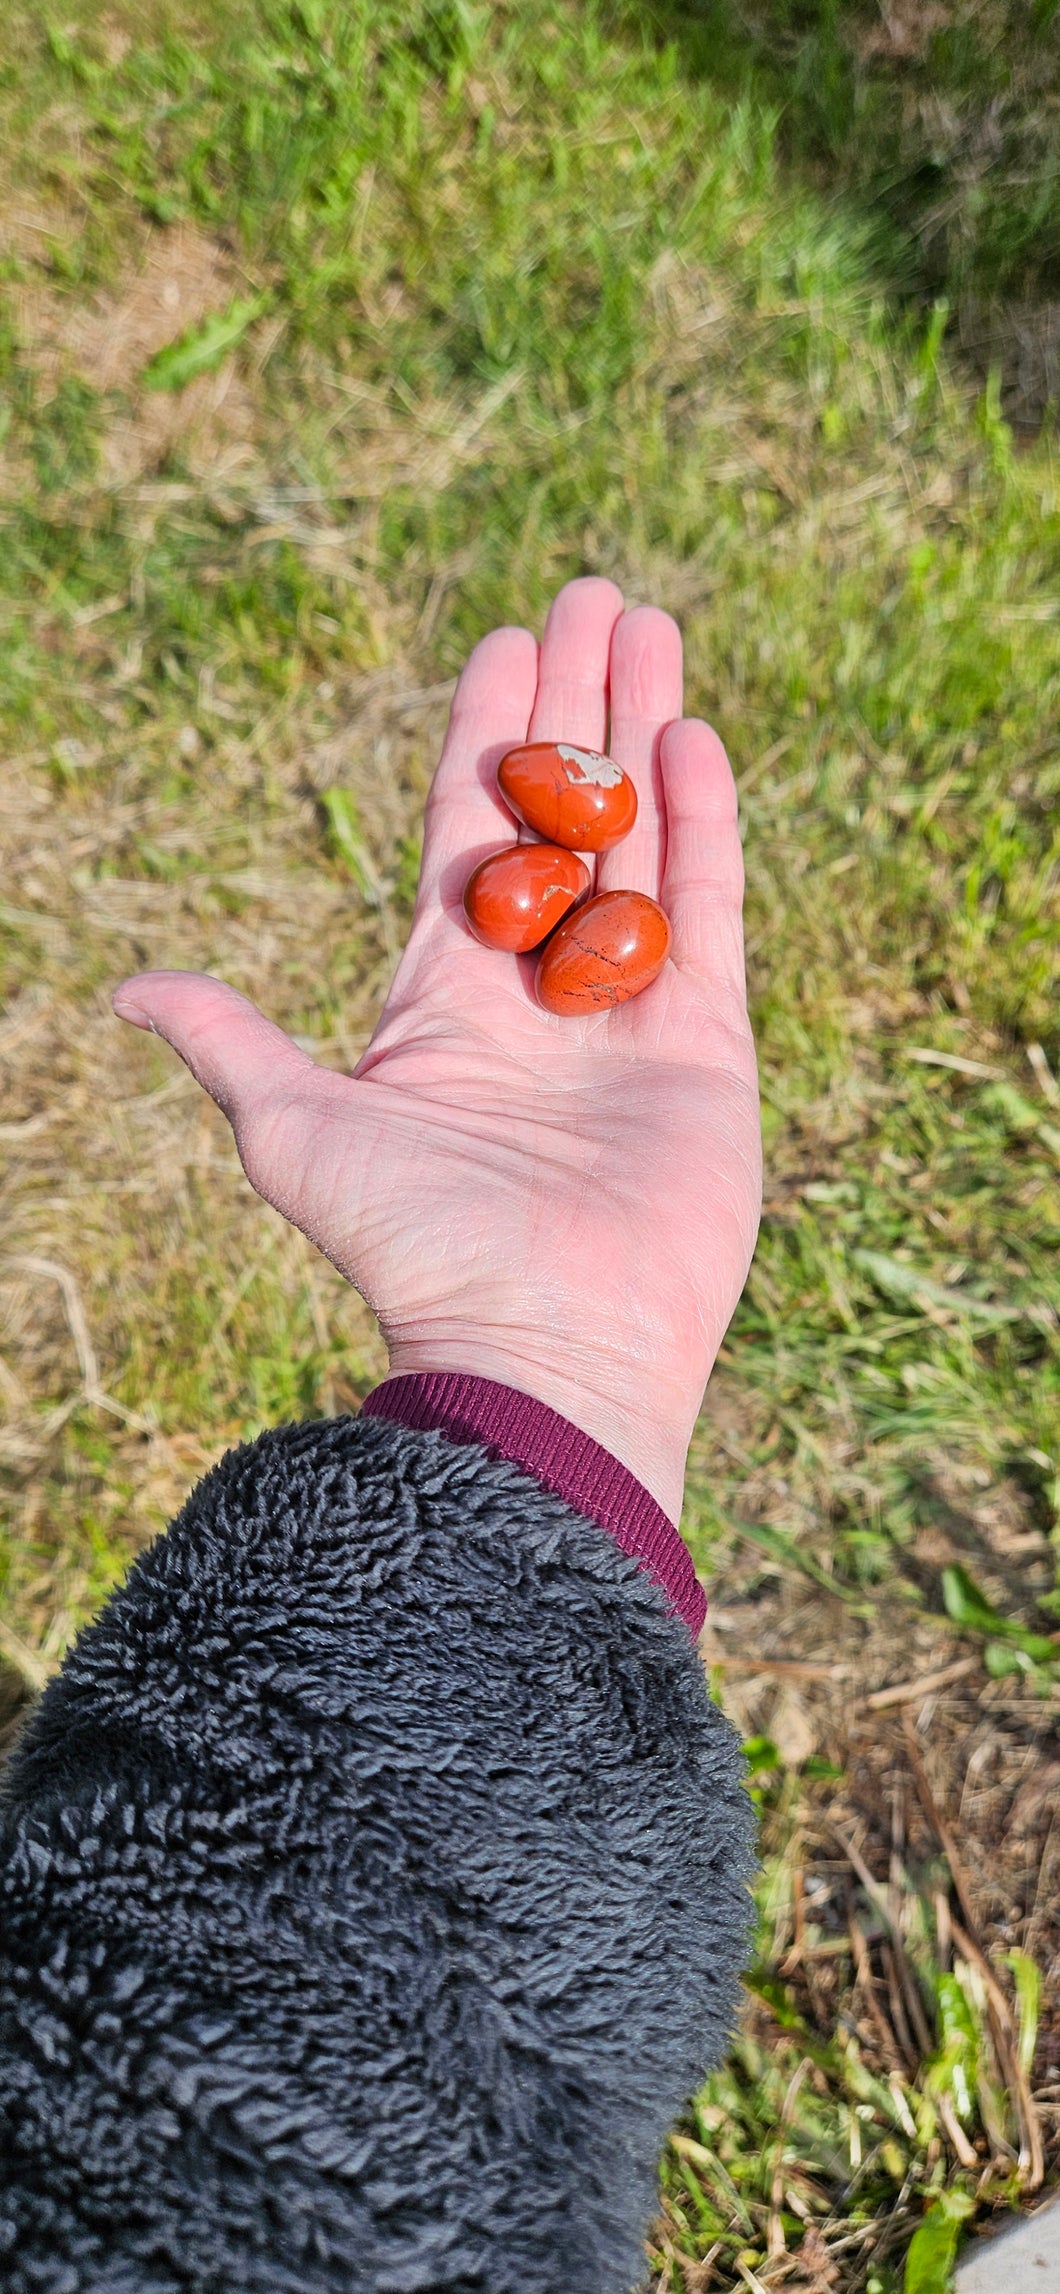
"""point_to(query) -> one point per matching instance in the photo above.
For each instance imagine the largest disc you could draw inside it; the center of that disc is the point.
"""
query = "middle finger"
(571, 700)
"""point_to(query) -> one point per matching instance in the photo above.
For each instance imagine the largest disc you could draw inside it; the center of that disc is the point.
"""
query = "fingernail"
(134, 1013)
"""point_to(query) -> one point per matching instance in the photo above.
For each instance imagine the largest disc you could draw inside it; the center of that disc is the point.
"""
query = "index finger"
(465, 816)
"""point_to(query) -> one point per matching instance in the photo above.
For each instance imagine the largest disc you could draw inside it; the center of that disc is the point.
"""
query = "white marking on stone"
(602, 771)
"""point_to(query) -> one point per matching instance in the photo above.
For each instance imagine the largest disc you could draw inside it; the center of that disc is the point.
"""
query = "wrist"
(613, 1408)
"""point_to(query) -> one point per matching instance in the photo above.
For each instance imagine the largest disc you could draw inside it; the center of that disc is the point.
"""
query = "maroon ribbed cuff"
(527, 1433)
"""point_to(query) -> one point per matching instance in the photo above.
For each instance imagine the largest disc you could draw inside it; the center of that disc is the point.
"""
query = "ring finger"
(646, 696)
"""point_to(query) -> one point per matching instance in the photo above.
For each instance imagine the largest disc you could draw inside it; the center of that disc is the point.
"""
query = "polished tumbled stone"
(574, 797)
(515, 898)
(609, 950)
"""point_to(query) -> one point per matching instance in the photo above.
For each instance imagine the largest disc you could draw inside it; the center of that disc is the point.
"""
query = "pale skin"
(568, 1205)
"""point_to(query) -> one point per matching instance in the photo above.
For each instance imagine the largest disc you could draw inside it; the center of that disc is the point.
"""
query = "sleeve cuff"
(527, 1433)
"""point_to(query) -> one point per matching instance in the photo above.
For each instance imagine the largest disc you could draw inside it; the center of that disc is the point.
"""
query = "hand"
(567, 1205)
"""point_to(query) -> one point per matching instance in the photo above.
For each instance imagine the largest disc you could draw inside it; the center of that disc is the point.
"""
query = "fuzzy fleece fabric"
(373, 1891)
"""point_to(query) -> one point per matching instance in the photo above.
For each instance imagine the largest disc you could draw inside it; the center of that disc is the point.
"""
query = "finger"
(702, 885)
(646, 694)
(571, 700)
(465, 817)
(246, 1063)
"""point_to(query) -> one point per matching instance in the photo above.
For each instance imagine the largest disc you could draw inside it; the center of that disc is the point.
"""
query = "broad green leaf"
(199, 349)
(933, 2252)
(760, 1753)
(967, 1604)
(1001, 1659)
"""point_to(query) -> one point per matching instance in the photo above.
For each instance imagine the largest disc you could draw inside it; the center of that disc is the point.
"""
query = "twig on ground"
(866, 1980)
(776, 2243)
(968, 2156)
(906, 1974)
(91, 1389)
(788, 1668)
(907, 1692)
(952, 1059)
(1044, 1073)
(939, 1825)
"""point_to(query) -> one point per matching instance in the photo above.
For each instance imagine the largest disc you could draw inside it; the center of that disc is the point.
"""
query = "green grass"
(463, 301)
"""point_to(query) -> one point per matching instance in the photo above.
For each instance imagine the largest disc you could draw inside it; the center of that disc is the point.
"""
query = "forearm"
(373, 1892)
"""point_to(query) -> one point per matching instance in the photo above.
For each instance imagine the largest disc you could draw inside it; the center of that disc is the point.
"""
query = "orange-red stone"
(610, 950)
(573, 796)
(513, 899)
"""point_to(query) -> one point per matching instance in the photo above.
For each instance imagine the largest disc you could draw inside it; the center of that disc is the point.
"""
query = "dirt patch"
(815, 1681)
(108, 340)
(181, 277)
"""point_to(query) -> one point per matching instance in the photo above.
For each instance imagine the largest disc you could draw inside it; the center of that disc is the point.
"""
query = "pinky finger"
(702, 887)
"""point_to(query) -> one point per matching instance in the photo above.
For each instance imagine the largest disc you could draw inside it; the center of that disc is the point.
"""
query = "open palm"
(566, 1204)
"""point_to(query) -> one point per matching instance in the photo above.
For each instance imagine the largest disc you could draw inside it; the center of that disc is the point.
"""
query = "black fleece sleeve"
(373, 1890)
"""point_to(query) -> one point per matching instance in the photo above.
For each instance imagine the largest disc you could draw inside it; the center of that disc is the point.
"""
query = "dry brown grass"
(122, 1190)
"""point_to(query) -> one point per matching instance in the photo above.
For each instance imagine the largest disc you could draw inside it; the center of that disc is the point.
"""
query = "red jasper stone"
(573, 796)
(513, 899)
(614, 947)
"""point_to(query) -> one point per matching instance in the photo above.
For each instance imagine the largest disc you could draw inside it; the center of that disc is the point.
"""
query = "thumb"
(246, 1063)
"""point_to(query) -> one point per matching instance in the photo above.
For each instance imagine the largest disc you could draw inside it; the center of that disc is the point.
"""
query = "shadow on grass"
(940, 119)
